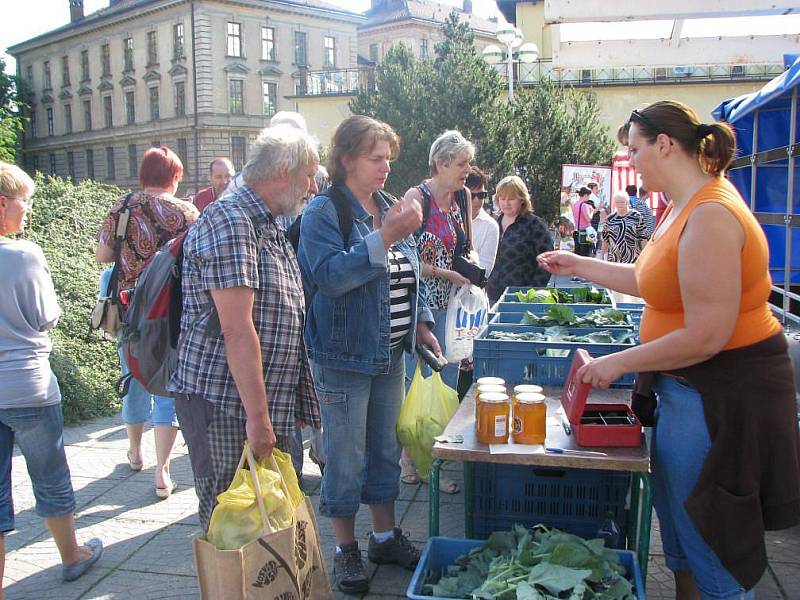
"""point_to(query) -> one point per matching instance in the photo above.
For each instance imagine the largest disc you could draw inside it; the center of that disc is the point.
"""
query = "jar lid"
(491, 380)
(490, 387)
(528, 398)
(494, 397)
(526, 388)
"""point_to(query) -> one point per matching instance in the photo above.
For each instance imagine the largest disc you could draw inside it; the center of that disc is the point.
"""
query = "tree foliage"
(64, 222)
(11, 119)
(545, 127)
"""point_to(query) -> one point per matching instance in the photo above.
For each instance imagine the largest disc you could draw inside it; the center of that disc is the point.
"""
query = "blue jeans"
(140, 406)
(359, 415)
(679, 448)
(38, 433)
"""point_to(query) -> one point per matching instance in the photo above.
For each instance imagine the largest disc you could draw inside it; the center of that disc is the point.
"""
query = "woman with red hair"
(156, 216)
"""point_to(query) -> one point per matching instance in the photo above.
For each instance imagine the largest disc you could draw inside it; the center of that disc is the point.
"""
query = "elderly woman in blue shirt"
(366, 307)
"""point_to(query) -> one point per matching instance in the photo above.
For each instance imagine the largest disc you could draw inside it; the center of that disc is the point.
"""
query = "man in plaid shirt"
(242, 368)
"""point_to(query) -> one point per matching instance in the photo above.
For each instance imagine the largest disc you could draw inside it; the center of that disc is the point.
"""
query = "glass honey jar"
(486, 381)
(527, 388)
(530, 418)
(487, 388)
(493, 418)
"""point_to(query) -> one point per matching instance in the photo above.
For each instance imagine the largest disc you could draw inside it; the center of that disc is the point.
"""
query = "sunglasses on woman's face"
(480, 195)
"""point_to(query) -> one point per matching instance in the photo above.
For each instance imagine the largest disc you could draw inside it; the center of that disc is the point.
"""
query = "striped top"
(401, 283)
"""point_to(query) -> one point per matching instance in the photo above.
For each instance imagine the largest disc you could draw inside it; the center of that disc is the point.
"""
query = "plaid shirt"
(235, 243)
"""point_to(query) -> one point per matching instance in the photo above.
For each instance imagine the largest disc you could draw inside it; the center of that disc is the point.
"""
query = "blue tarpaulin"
(770, 109)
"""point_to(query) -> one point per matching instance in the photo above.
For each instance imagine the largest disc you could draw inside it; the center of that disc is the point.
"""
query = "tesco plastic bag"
(237, 519)
(426, 411)
(466, 318)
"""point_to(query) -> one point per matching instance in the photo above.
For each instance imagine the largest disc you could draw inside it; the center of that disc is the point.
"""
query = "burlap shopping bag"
(280, 565)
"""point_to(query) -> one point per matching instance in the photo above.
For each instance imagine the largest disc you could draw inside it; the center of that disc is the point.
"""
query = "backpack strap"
(119, 237)
(344, 211)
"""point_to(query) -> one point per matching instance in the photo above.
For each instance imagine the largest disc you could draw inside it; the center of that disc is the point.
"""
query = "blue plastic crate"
(573, 500)
(441, 552)
(515, 318)
(518, 361)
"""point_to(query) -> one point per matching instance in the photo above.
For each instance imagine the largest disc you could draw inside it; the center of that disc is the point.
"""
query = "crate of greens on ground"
(528, 355)
(554, 295)
(541, 564)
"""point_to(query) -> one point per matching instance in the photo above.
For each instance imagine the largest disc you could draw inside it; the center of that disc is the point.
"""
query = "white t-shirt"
(28, 310)
(486, 236)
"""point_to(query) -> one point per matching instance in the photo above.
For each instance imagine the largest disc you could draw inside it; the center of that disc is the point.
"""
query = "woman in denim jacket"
(366, 307)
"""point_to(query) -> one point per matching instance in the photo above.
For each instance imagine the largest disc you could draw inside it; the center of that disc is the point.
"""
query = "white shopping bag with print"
(466, 318)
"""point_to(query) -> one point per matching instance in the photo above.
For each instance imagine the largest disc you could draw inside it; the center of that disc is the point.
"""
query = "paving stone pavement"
(149, 555)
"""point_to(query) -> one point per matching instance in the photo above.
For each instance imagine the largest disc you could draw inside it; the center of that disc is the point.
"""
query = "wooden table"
(633, 460)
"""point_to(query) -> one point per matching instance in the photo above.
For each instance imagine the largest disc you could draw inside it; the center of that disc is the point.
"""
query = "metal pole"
(753, 170)
(787, 266)
(510, 51)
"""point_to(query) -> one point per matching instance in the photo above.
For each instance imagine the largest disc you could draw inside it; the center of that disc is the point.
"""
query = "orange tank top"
(657, 273)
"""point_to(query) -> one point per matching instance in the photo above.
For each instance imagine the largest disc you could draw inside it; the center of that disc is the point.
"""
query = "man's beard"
(292, 202)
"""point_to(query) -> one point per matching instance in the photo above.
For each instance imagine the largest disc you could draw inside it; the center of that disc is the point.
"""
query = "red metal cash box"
(603, 425)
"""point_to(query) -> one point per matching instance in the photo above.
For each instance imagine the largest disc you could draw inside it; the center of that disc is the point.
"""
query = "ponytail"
(717, 148)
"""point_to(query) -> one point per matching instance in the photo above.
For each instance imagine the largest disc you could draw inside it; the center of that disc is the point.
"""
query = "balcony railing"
(335, 83)
(531, 74)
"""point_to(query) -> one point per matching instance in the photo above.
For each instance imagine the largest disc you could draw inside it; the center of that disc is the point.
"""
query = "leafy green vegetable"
(538, 564)
(583, 295)
(564, 315)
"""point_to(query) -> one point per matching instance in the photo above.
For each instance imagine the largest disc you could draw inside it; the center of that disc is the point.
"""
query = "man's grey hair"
(277, 151)
(289, 118)
(448, 147)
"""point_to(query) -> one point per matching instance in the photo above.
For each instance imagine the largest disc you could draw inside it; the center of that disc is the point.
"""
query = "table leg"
(633, 514)
(645, 521)
(469, 483)
(433, 497)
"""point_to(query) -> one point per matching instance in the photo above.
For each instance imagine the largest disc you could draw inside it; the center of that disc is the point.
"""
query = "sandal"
(135, 466)
(446, 486)
(408, 474)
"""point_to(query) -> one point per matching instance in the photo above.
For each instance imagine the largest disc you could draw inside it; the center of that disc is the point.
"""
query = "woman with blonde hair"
(725, 450)
(523, 236)
(30, 399)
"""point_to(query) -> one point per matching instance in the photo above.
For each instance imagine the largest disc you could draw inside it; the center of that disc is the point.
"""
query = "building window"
(29, 73)
(180, 99)
(300, 48)
(155, 112)
(33, 121)
(108, 111)
(68, 118)
(127, 49)
(270, 92)
(234, 33)
(47, 82)
(329, 58)
(130, 108)
(65, 71)
(87, 115)
(423, 49)
(90, 164)
(155, 144)
(177, 41)
(71, 165)
(133, 165)
(238, 152)
(236, 96)
(183, 155)
(268, 43)
(35, 163)
(51, 127)
(85, 65)
(105, 59)
(152, 48)
(52, 164)
(111, 169)
(373, 52)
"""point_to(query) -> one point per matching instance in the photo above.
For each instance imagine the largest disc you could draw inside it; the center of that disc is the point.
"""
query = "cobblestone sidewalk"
(148, 542)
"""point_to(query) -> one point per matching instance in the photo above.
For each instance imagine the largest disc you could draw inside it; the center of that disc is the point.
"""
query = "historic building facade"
(200, 76)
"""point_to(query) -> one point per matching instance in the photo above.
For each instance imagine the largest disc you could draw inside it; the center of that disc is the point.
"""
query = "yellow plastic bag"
(237, 518)
(426, 411)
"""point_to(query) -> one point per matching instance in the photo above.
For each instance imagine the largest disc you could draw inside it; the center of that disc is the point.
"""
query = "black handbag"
(475, 274)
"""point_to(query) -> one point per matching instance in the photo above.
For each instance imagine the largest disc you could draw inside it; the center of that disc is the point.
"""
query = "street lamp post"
(511, 37)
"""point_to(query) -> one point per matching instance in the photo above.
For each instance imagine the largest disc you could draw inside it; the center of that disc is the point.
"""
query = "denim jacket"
(347, 321)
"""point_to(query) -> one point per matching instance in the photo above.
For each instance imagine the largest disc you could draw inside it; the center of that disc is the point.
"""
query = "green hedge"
(64, 223)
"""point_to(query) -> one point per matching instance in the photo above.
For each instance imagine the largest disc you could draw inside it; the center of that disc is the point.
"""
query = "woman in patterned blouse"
(624, 232)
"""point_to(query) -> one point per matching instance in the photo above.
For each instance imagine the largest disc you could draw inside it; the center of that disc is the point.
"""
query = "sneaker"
(349, 574)
(396, 551)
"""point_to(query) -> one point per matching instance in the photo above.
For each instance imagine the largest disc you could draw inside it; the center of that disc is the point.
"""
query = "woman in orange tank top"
(704, 277)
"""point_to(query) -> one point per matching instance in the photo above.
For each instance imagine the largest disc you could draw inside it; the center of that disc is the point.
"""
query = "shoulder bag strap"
(426, 207)
(344, 212)
(119, 237)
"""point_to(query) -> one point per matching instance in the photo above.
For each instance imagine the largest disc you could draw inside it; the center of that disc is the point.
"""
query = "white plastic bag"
(466, 318)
